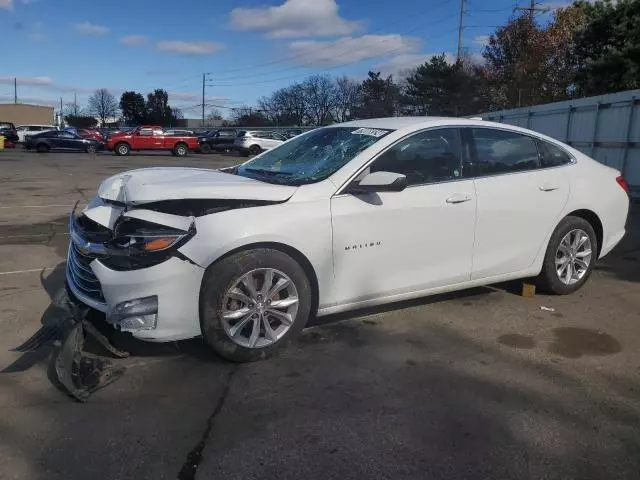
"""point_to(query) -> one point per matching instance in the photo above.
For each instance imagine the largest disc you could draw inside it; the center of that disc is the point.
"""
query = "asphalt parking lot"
(474, 385)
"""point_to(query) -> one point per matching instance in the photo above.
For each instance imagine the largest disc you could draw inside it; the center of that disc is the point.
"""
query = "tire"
(216, 305)
(244, 153)
(205, 148)
(255, 150)
(91, 149)
(42, 148)
(180, 150)
(563, 270)
(122, 149)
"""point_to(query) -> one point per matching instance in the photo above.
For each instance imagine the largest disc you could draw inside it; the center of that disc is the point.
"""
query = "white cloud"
(189, 48)
(34, 81)
(133, 40)
(87, 28)
(399, 64)
(6, 4)
(481, 40)
(294, 18)
(351, 49)
(36, 37)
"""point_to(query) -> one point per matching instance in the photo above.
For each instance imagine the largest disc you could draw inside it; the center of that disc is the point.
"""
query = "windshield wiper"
(267, 172)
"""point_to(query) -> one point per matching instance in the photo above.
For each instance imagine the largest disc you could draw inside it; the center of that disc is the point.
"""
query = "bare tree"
(103, 105)
(320, 94)
(348, 97)
(214, 118)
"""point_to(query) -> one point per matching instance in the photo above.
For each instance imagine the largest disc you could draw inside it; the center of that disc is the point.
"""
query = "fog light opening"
(136, 314)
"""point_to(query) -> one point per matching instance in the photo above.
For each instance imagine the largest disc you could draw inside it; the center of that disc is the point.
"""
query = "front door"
(519, 202)
(394, 243)
(144, 140)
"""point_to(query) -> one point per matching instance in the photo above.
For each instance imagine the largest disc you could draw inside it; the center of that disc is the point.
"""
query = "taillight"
(623, 183)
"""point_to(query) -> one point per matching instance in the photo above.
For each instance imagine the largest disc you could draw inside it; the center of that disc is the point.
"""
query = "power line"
(289, 77)
(302, 54)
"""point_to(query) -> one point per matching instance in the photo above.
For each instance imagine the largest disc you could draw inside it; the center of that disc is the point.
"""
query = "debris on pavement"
(547, 309)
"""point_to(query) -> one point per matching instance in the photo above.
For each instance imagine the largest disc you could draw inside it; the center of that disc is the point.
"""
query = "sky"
(247, 48)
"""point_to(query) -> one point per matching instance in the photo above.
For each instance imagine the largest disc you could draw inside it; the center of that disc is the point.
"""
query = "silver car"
(253, 142)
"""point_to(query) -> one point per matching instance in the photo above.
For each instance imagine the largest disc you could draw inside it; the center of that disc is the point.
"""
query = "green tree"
(159, 112)
(380, 97)
(608, 47)
(133, 107)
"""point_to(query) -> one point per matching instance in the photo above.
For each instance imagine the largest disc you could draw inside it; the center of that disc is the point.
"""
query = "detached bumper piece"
(82, 373)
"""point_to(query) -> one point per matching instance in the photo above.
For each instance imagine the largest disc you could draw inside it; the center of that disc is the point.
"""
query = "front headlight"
(139, 244)
(139, 237)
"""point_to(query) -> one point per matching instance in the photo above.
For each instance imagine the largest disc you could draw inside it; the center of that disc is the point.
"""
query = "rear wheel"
(255, 149)
(42, 148)
(252, 303)
(570, 257)
(180, 150)
(122, 149)
(205, 148)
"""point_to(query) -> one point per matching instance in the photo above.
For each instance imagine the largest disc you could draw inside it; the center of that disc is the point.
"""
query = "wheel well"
(595, 222)
(180, 143)
(293, 253)
(123, 143)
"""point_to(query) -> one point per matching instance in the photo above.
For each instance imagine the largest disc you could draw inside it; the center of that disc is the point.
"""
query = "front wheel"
(42, 148)
(252, 303)
(180, 150)
(570, 257)
(205, 148)
(91, 149)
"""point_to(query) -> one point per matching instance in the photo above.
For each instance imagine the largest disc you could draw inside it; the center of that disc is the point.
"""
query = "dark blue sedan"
(61, 140)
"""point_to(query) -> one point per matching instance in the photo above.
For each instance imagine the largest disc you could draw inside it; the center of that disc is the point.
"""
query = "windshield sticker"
(372, 132)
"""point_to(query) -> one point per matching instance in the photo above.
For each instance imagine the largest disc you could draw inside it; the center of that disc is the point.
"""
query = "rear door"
(518, 201)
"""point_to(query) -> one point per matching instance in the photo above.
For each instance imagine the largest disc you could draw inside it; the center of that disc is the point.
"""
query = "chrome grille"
(80, 274)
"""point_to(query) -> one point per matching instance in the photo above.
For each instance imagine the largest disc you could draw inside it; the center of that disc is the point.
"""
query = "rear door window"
(501, 151)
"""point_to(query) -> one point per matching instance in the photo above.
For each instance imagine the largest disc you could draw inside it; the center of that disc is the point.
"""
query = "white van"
(24, 130)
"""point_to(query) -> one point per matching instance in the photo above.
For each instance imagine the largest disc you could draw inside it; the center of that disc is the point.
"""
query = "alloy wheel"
(259, 308)
(573, 256)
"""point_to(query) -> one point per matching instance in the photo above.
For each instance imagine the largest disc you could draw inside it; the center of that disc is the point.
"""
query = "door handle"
(548, 187)
(458, 198)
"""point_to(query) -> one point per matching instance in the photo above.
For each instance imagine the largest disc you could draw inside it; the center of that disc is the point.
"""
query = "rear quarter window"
(551, 155)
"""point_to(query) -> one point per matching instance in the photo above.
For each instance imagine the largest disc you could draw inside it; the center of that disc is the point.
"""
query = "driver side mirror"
(379, 182)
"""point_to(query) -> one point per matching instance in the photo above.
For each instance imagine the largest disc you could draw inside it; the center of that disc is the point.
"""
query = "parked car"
(221, 140)
(178, 131)
(148, 137)
(348, 216)
(91, 134)
(255, 142)
(8, 131)
(24, 130)
(61, 140)
(292, 133)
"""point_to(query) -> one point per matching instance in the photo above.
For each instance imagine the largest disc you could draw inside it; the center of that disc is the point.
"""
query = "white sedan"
(343, 217)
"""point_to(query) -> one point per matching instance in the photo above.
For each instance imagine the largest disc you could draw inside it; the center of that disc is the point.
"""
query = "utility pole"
(61, 119)
(15, 90)
(532, 9)
(204, 83)
(460, 26)
(75, 104)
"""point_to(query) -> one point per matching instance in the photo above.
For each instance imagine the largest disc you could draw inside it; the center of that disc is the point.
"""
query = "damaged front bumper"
(158, 303)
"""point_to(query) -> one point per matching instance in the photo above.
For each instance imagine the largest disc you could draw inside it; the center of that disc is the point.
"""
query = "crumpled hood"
(174, 183)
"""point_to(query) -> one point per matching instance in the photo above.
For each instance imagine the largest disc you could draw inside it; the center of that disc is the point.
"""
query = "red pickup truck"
(150, 137)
